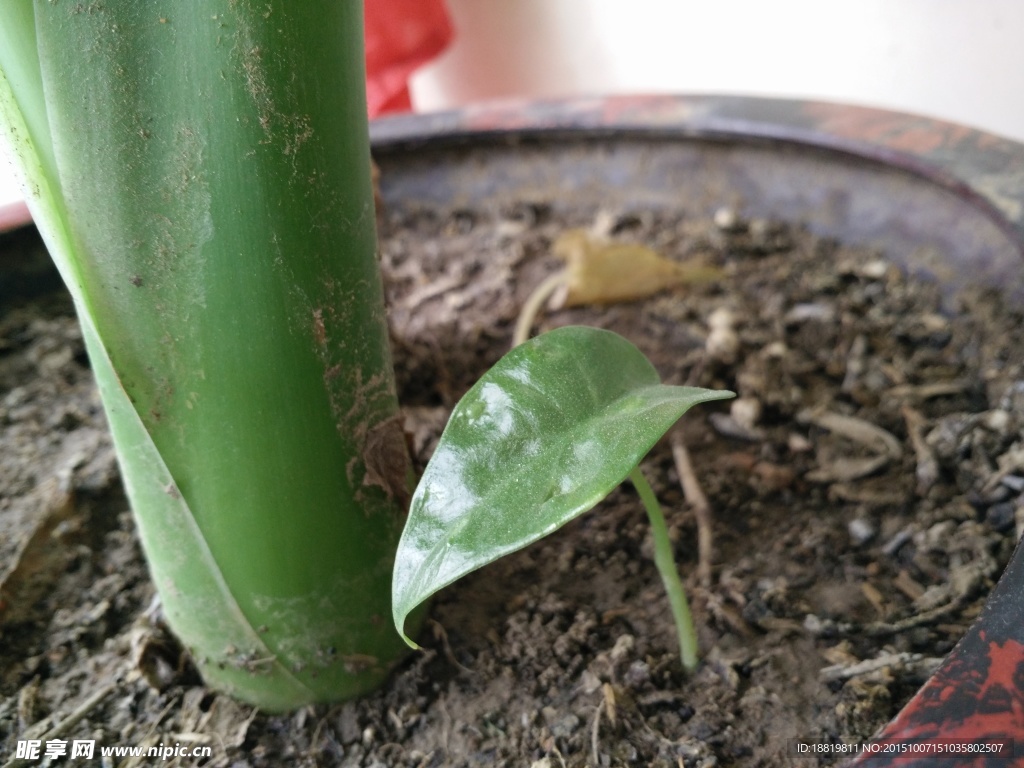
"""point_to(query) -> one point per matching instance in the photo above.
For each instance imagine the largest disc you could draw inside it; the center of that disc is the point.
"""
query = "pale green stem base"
(666, 564)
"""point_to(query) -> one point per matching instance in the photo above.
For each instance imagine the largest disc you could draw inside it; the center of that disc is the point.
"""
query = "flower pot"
(944, 201)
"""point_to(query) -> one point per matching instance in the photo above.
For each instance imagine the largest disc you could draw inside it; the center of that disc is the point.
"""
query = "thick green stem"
(201, 172)
(666, 564)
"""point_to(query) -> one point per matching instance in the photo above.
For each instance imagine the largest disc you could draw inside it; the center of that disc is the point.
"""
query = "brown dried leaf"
(601, 272)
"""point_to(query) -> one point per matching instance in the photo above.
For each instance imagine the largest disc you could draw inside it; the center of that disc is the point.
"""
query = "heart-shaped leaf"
(541, 438)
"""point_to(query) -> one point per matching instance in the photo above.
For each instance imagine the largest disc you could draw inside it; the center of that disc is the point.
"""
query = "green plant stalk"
(665, 562)
(200, 172)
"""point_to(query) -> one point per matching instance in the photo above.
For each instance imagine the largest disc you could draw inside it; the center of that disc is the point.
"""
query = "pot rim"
(982, 168)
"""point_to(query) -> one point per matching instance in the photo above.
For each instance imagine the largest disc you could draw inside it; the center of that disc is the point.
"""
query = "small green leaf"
(544, 435)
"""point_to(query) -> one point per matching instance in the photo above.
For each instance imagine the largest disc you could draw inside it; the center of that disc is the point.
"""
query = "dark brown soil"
(864, 493)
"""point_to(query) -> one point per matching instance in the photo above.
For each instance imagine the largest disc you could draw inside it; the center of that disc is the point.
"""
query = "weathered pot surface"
(944, 201)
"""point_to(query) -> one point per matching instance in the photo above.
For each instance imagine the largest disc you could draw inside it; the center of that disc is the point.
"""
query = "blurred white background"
(960, 60)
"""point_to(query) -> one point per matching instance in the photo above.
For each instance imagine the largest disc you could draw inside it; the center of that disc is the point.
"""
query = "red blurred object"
(13, 215)
(401, 35)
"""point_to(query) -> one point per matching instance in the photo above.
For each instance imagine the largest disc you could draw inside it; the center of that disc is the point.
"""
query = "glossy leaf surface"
(546, 434)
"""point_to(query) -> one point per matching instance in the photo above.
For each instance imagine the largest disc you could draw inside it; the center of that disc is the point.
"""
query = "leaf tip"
(399, 617)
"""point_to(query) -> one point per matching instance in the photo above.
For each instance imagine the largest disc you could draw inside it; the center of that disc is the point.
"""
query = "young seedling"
(540, 439)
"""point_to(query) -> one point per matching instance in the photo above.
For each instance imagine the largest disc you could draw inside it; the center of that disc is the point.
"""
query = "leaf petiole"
(666, 565)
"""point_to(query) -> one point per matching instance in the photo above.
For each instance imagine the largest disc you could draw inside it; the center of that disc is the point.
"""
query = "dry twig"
(65, 725)
(910, 661)
(927, 466)
(701, 508)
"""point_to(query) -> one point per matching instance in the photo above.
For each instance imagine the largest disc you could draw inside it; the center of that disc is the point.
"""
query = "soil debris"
(867, 488)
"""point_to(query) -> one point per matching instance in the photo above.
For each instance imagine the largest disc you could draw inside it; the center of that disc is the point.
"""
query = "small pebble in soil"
(1002, 517)
(723, 343)
(861, 531)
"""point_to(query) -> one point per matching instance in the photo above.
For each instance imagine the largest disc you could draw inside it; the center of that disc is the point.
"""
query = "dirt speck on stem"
(319, 330)
(387, 460)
